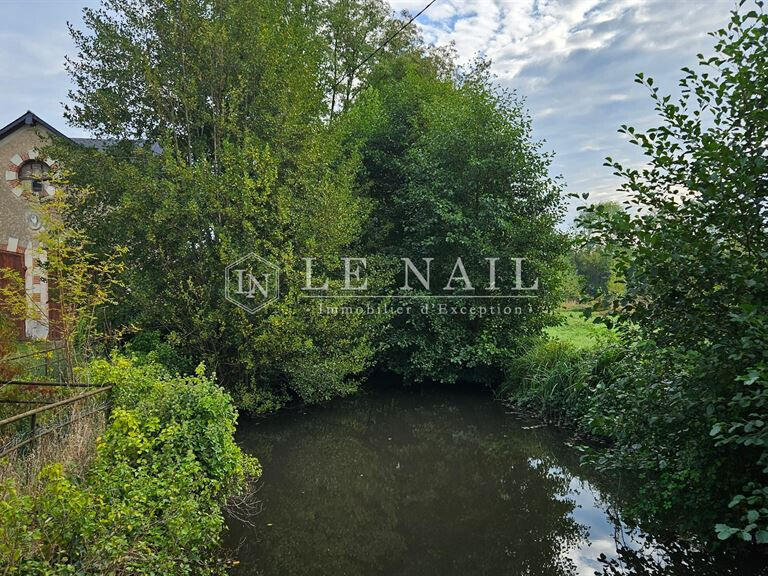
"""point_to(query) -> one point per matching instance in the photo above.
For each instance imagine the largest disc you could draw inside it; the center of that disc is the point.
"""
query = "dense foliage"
(697, 250)
(251, 127)
(453, 172)
(684, 401)
(284, 149)
(247, 166)
(152, 499)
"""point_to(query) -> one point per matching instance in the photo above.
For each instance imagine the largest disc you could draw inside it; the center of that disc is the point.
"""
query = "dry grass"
(72, 446)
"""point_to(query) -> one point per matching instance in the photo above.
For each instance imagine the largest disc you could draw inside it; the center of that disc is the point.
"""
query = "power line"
(384, 44)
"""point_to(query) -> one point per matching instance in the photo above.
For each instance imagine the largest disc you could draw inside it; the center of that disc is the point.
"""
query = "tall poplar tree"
(234, 93)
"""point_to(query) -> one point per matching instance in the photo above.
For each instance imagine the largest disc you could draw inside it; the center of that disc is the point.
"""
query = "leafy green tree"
(588, 216)
(194, 74)
(453, 172)
(573, 282)
(234, 94)
(696, 244)
(354, 30)
(593, 262)
(593, 265)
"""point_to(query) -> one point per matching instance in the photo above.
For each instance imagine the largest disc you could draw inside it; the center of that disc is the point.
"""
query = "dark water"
(437, 483)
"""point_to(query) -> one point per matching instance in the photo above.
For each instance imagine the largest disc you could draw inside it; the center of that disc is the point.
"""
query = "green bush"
(691, 405)
(650, 407)
(657, 412)
(152, 500)
(452, 170)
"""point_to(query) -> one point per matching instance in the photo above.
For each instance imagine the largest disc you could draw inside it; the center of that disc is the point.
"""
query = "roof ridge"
(29, 118)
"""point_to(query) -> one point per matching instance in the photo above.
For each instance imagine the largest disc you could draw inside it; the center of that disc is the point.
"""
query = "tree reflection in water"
(415, 482)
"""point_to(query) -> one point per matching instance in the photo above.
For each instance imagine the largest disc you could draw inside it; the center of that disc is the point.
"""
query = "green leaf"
(724, 531)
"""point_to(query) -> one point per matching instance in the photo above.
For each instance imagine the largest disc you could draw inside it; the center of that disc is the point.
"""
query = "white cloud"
(575, 60)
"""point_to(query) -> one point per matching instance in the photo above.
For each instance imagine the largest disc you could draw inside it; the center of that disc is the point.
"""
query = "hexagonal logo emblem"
(252, 282)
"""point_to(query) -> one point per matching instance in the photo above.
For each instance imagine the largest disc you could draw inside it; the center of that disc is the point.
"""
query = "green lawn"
(579, 331)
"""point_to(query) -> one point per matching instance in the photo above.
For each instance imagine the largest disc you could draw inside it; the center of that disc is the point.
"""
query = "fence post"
(108, 411)
(32, 428)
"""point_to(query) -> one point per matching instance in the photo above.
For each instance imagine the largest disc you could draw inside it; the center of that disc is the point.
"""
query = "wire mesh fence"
(48, 418)
(39, 396)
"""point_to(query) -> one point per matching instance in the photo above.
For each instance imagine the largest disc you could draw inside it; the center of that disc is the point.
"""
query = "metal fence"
(39, 379)
(34, 432)
(46, 363)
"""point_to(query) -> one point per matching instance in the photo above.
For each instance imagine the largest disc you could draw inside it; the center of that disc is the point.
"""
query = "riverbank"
(633, 397)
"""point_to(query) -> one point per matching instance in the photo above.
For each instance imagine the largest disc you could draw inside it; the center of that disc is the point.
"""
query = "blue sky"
(573, 60)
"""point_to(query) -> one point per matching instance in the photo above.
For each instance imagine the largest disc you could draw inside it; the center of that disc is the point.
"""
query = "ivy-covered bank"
(151, 502)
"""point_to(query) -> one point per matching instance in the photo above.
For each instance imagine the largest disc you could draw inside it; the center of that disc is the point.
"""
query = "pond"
(425, 481)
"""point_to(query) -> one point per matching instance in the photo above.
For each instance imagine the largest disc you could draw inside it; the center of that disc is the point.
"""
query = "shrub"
(556, 379)
(657, 413)
(650, 407)
(693, 250)
(152, 500)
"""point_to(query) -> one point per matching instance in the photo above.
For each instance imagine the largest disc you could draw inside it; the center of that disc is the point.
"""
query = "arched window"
(33, 174)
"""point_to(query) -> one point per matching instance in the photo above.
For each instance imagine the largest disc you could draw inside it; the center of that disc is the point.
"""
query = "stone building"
(24, 184)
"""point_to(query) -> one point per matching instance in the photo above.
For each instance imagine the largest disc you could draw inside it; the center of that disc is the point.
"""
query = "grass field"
(579, 331)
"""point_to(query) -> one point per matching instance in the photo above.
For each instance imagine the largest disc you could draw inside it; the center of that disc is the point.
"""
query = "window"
(33, 175)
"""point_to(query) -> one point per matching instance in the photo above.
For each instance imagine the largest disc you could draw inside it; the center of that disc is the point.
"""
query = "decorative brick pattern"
(15, 232)
(12, 175)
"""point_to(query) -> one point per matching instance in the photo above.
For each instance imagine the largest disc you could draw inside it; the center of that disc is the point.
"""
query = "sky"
(573, 61)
